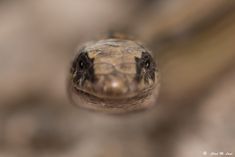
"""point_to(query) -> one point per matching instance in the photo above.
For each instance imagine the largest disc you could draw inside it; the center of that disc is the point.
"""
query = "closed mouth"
(113, 99)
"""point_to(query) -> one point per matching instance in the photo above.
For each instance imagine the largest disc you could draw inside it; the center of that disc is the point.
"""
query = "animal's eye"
(81, 64)
(147, 63)
(82, 68)
(146, 60)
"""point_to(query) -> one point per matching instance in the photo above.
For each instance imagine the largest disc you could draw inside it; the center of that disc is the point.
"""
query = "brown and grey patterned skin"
(114, 76)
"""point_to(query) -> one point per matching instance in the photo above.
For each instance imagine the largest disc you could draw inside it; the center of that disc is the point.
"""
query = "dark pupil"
(147, 63)
(81, 64)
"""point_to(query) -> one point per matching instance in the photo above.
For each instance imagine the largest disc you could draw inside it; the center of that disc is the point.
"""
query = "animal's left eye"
(147, 60)
(147, 63)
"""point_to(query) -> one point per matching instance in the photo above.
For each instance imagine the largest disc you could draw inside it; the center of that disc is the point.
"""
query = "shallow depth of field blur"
(194, 45)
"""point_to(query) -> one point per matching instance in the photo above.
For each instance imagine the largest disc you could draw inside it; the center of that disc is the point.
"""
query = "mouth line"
(113, 99)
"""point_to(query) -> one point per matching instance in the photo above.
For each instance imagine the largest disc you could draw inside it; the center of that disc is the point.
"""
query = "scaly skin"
(114, 76)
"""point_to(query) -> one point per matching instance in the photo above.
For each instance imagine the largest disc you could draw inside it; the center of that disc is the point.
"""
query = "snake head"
(114, 76)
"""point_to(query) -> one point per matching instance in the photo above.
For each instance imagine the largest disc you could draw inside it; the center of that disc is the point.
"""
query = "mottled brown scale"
(114, 76)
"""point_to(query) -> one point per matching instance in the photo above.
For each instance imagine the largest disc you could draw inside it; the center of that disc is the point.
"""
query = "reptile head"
(113, 75)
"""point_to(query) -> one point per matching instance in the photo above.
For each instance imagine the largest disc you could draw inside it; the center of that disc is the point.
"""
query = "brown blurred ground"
(194, 43)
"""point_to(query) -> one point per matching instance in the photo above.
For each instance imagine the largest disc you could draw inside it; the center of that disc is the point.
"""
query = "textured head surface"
(113, 75)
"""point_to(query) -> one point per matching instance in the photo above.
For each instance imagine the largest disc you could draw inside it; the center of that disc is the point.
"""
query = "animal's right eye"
(83, 62)
(82, 68)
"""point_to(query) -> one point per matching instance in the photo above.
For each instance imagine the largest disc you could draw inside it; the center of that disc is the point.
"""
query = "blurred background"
(194, 44)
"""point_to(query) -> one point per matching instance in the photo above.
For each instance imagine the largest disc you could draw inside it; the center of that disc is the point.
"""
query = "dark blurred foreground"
(194, 42)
